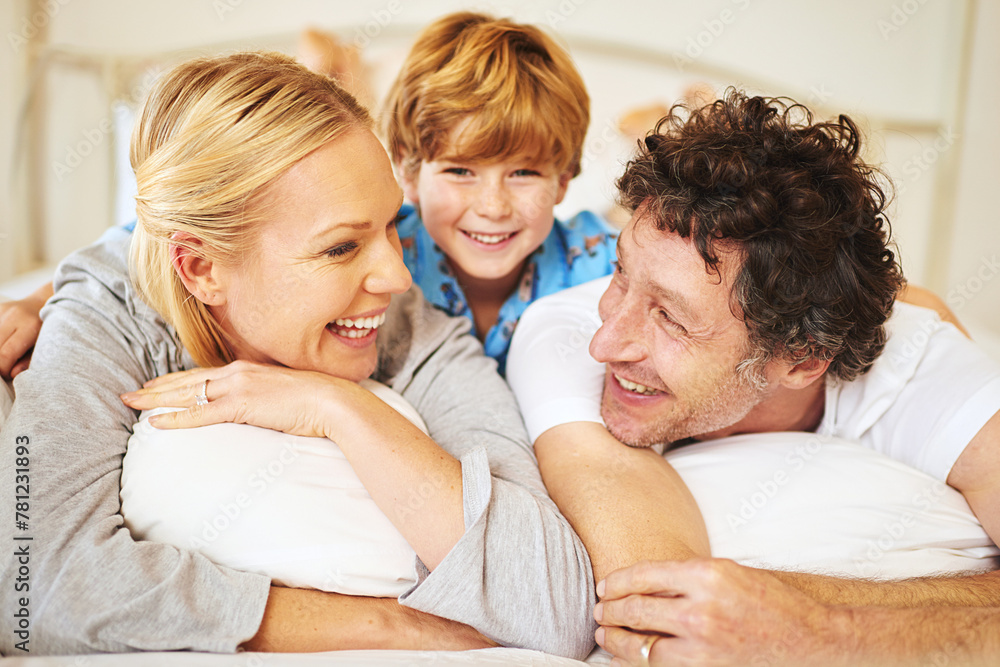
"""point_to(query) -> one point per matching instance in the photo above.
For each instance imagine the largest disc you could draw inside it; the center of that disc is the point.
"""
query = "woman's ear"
(204, 278)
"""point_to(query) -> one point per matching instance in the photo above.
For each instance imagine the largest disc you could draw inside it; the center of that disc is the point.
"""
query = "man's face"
(670, 341)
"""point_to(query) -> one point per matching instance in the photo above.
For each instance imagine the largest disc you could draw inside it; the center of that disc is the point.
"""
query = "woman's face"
(327, 259)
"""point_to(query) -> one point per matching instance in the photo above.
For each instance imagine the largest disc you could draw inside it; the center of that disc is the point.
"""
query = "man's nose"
(620, 337)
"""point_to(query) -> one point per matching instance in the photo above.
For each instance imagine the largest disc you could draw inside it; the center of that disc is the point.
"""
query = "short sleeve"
(549, 368)
(924, 399)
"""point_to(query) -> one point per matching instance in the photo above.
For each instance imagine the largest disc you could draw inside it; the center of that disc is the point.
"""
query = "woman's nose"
(388, 273)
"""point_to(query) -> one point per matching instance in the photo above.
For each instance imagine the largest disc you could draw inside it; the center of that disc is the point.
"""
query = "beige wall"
(885, 61)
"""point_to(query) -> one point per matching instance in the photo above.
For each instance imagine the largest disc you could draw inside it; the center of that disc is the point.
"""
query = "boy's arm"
(19, 326)
(918, 296)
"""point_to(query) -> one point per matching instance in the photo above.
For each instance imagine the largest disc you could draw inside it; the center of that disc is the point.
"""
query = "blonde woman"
(265, 264)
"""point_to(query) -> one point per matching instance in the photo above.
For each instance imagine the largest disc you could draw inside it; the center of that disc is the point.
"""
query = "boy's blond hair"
(213, 135)
(510, 87)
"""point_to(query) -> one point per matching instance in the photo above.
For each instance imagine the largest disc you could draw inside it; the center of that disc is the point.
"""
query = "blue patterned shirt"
(574, 252)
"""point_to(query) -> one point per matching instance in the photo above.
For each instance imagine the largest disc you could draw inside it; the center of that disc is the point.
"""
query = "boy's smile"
(487, 217)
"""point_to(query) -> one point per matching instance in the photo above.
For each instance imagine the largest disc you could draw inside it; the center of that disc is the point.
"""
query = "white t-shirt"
(923, 400)
(862, 497)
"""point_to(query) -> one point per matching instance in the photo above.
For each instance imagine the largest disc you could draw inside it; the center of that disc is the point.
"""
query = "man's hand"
(715, 612)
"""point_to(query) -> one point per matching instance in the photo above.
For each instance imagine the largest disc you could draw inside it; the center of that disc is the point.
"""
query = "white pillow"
(258, 500)
(798, 501)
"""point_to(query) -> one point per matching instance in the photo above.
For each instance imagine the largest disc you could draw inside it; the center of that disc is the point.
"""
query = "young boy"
(485, 124)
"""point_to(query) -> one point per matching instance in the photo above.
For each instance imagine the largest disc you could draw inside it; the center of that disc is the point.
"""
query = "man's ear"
(202, 277)
(564, 179)
(802, 374)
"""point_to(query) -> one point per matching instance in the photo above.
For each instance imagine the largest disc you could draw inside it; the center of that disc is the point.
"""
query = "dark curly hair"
(806, 215)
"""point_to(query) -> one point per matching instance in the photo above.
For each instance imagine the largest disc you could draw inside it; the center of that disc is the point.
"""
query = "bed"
(799, 526)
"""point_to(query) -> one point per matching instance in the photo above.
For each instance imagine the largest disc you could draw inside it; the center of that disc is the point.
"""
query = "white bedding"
(785, 500)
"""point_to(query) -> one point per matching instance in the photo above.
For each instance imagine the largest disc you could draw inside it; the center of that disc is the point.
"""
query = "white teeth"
(635, 386)
(489, 239)
(358, 328)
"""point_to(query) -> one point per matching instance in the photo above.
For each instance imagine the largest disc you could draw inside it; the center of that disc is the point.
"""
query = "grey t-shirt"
(519, 574)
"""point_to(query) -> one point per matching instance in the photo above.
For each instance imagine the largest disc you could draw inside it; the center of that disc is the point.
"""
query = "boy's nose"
(493, 202)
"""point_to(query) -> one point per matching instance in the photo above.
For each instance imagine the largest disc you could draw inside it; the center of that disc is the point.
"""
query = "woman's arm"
(103, 590)
(468, 499)
(388, 453)
(301, 621)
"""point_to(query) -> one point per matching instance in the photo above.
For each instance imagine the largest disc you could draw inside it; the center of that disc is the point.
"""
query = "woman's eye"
(341, 250)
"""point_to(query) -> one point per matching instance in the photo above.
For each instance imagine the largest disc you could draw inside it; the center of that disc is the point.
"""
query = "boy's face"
(487, 217)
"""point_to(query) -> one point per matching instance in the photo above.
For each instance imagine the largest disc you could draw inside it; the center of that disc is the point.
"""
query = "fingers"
(21, 365)
(175, 379)
(627, 646)
(644, 612)
(196, 415)
(179, 394)
(647, 578)
(14, 348)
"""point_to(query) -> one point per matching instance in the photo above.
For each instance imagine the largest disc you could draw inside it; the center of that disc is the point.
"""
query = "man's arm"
(626, 504)
(720, 613)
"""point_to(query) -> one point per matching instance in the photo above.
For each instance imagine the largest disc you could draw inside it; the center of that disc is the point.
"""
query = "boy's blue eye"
(526, 172)
(458, 171)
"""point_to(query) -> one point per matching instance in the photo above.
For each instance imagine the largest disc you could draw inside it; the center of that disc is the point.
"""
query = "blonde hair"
(213, 134)
(516, 88)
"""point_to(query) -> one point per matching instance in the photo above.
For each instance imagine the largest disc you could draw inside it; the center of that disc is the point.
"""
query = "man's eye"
(669, 321)
(341, 250)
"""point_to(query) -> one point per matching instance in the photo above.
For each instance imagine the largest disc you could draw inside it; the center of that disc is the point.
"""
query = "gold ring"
(647, 648)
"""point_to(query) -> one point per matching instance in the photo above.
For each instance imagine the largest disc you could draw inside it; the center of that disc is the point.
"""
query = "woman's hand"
(274, 397)
(392, 457)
